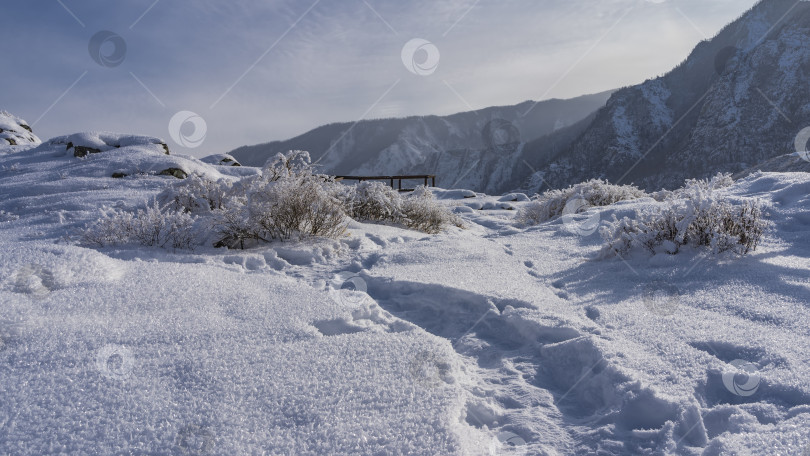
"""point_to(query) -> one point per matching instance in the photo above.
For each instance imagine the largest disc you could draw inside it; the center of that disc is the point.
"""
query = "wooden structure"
(391, 179)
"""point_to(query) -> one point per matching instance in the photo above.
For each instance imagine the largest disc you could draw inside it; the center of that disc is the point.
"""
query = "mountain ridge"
(478, 149)
(736, 101)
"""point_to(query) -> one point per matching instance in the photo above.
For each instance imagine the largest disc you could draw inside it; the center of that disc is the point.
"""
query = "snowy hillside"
(736, 101)
(480, 150)
(794, 162)
(492, 339)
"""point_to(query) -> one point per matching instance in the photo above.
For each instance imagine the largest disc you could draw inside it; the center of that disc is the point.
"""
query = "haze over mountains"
(475, 149)
(736, 101)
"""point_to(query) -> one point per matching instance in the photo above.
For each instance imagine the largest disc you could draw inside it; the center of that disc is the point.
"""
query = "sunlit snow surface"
(490, 340)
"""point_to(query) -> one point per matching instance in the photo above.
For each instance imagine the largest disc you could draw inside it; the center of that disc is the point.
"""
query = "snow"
(657, 94)
(221, 159)
(626, 135)
(15, 131)
(488, 340)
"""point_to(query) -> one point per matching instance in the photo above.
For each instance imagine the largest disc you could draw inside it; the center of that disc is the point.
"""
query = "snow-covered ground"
(489, 340)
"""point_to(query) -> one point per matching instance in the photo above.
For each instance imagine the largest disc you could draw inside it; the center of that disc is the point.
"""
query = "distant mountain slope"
(480, 150)
(738, 100)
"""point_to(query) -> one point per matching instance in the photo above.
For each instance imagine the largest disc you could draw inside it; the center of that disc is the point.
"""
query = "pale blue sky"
(300, 64)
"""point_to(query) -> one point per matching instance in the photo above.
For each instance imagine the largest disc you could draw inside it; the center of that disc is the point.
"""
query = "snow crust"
(489, 340)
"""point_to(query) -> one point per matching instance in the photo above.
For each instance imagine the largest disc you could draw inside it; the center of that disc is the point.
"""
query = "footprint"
(367, 317)
(372, 260)
(377, 240)
(336, 327)
(479, 415)
(744, 377)
(727, 353)
(35, 281)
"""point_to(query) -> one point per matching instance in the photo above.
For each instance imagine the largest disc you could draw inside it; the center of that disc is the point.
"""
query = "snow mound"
(15, 131)
(86, 143)
(117, 155)
(221, 160)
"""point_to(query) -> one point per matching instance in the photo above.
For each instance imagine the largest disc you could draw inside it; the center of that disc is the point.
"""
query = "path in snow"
(535, 380)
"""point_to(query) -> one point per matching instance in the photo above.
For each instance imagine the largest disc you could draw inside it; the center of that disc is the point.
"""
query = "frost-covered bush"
(378, 202)
(421, 212)
(700, 218)
(152, 226)
(293, 163)
(373, 201)
(196, 194)
(295, 205)
(593, 193)
(719, 181)
(288, 200)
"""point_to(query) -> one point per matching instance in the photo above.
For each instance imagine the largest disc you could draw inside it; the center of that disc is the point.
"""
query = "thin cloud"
(334, 63)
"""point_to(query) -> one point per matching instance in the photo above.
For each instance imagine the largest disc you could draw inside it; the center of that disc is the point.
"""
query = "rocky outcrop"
(221, 160)
(15, 131)
(174, 172)
(83, 144)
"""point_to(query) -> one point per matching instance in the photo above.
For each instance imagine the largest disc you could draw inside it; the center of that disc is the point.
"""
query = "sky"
(209, 76)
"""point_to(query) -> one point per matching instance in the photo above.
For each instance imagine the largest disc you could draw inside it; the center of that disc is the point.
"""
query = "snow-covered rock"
(221, 159)
(82, 144)
(15, 131)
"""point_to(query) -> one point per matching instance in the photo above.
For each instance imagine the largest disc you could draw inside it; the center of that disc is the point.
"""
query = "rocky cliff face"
(479, 150)
(738, 100)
